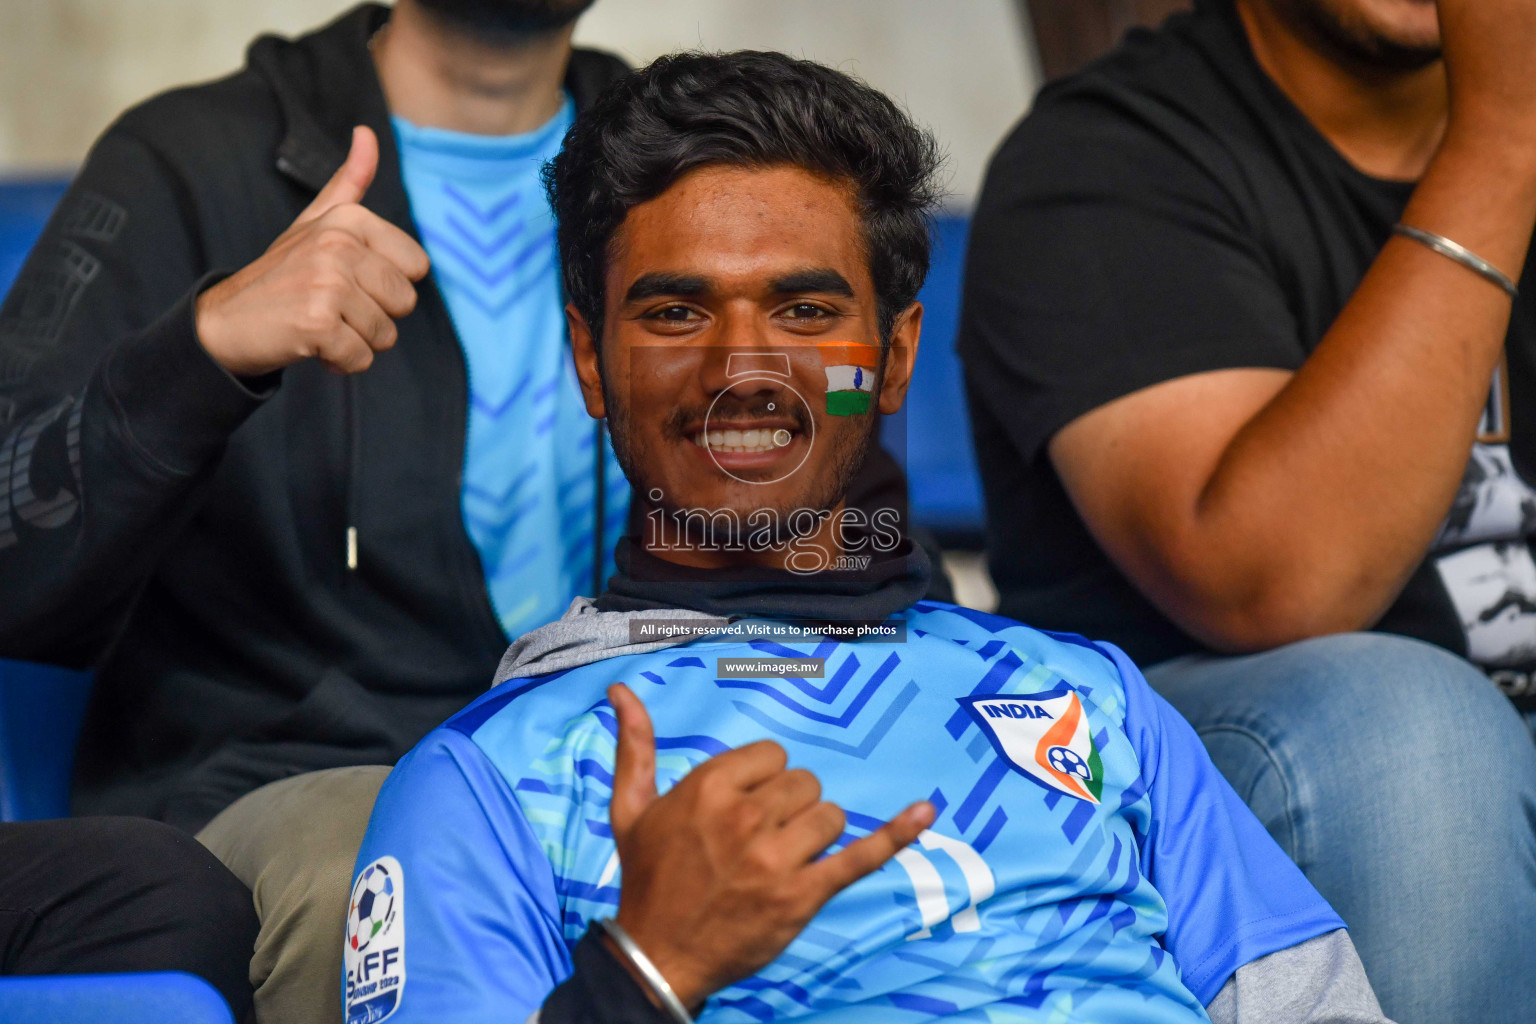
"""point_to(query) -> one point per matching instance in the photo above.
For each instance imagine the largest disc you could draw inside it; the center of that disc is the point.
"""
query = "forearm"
(112, 414)
(102, 474)
(1313, 516)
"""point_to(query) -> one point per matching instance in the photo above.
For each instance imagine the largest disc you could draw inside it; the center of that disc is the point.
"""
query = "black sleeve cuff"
(599, 991)
(175, 404)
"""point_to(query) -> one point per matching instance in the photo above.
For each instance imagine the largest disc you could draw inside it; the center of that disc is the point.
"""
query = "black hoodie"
(185, 531)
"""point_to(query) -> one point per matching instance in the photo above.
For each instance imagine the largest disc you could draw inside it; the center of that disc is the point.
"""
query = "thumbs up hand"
(723, 872)
(329, 288)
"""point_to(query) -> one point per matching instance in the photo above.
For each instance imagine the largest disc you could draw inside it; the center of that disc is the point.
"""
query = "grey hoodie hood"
(592, 631)
(584, 635)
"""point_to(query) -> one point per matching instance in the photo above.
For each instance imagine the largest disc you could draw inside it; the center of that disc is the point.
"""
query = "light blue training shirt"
(528, 494)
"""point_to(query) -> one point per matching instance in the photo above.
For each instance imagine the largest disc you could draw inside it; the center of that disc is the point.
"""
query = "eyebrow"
(663, 283)
(816, 279)
(657, 284)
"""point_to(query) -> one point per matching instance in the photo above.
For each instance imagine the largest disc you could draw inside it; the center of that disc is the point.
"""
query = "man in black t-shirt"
(1224, 415)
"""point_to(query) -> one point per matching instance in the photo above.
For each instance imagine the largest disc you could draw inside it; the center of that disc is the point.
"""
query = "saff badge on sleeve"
(374, 951)
(1044, 736)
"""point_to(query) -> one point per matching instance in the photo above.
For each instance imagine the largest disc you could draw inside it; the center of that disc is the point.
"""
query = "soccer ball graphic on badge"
(1068, 762)
(373, 907)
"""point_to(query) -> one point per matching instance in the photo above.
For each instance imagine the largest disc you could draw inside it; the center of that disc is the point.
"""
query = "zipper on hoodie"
(354, 458)
(469, 413)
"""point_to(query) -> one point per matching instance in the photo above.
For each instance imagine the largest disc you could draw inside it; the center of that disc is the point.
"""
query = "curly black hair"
(748, 109)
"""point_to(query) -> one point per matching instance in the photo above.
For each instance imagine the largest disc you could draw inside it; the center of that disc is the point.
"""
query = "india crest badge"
(850, 369)
(1045, 736)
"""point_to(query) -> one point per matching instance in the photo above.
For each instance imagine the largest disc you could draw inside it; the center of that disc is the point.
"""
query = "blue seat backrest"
(932, 433)
(25, 205)
(40, 706)
(161, 998)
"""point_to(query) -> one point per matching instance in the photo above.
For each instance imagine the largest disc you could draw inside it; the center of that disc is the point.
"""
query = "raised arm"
(1260, 506)
(123, 375)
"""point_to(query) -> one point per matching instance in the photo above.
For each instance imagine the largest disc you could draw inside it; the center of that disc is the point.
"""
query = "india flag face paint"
(850, 371)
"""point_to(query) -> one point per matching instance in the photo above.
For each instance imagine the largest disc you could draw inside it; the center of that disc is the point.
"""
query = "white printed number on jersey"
(374, 953)
(928, 885)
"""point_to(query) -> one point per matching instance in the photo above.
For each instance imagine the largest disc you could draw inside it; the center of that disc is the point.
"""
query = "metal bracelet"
(1461, 254)
(653, 977)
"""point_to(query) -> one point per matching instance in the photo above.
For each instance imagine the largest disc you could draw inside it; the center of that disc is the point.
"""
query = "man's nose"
(746, 372)
(747, 359)
(744, 361)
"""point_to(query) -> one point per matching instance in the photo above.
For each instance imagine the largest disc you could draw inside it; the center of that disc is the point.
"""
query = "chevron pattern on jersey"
(1018, 904)
(528, 496)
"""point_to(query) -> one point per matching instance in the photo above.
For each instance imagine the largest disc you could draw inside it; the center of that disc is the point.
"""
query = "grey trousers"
(293, 843)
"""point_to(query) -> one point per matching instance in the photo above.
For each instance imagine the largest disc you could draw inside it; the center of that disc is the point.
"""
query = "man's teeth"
(750, 441)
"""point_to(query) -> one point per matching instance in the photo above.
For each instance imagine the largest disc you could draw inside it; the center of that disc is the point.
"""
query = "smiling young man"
(743, 237)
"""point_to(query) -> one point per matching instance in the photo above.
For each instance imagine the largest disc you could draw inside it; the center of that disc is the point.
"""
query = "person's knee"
(220, 915)
(1252, 767)
(296, 827)
(1400, 746)
(168, 900)
(148, 855)
(294, 842)
(1407, 704)
(1356, 733)
(323, 817)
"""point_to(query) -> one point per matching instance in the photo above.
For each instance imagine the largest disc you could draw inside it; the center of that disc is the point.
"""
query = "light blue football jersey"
(1088, 862)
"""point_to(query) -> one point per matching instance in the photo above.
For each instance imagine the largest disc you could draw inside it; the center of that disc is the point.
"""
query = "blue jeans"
(1403, 783)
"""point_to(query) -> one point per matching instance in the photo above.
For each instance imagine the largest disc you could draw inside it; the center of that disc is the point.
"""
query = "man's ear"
(900, 358)
(588, 372)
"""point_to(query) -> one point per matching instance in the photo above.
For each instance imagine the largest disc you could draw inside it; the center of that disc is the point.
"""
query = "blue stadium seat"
(24, 208)
(162, 998)
(41, 708)
(932, 434)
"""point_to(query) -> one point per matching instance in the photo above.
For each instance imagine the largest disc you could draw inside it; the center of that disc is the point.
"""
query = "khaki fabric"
(293, 842)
